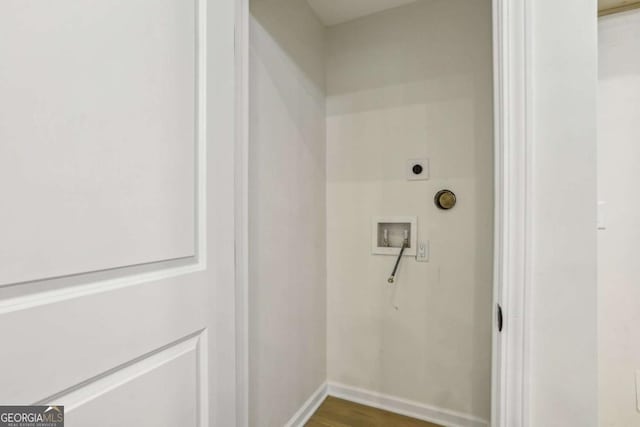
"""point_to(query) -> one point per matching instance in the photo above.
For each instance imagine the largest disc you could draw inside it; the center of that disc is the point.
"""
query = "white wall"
(286, 209)
(412, 82)
(618, 177)
(563, 345)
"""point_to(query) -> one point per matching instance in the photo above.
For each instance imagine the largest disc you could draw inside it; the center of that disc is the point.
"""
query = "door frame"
(241, 206)
(512, 224)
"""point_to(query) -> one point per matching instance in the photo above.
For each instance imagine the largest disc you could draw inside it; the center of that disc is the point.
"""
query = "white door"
(110, 286)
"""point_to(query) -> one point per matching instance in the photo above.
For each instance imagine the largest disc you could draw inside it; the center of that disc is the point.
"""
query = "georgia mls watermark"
(32, 416)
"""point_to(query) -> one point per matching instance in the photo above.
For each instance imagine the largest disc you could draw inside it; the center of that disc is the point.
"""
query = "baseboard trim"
(308, 408)
(409, 408)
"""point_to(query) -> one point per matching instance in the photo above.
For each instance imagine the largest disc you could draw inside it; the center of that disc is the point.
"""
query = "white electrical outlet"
(602, 218)
(422, 252)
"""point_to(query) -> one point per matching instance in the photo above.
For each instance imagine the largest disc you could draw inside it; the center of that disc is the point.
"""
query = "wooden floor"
(336, 412)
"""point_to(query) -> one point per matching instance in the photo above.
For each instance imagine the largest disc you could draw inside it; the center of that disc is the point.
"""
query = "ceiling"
(333, 12)
(616, 5)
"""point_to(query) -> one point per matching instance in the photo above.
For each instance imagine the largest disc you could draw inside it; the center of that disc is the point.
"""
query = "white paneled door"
(108, 279)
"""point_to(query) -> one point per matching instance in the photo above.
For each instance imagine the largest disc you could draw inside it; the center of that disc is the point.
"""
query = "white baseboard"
(308, 408)
(417, 410)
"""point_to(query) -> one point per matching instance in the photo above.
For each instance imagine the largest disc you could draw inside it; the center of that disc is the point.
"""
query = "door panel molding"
(82, 338)
(47, 290)
(193, 346)
(85, 289)
(99, 127)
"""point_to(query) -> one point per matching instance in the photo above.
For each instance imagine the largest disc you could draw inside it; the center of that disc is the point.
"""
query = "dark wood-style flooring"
(336, 412)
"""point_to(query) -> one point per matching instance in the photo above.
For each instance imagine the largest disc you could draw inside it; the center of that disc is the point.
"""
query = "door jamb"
(241, 186)
(512, 225)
